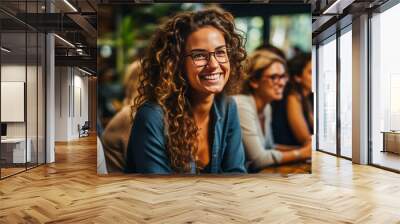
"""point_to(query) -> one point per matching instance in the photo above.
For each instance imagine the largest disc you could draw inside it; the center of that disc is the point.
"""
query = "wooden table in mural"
(291, 168)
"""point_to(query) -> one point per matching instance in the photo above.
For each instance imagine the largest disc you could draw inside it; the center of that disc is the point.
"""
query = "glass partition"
(13, 94)
(385, 89)
(31, 97)
(22, 89)
(41, 96)
(327, 96)
(346, 93)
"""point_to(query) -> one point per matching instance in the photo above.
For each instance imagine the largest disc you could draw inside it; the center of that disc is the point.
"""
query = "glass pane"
(41, 98)
(32, 84)
(31, 97)
(385, 86)
(346, 94)
(327, 97)
(13, 86)
(252, 29)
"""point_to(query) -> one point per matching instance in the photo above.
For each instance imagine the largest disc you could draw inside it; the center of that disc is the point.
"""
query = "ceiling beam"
(85, 25)
(337, 7)
(81, 61)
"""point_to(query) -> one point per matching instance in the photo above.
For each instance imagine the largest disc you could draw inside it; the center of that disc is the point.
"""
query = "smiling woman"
(206, 74)
(184, 122)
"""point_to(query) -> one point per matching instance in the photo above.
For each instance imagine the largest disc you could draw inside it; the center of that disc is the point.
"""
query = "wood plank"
(70, 191)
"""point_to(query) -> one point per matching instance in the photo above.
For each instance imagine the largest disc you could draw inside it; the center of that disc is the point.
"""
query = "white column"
(360, 90)
(50, 94)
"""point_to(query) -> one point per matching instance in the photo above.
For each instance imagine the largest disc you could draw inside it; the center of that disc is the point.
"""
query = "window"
(346, 93)
(252, 29)
(327, 96)
(291, 31)
(385, 87)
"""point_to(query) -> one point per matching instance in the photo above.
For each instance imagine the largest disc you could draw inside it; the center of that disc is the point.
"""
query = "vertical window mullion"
(26, 86)
(369, 100)
(37, 88)
(338, 97)
(317, 96)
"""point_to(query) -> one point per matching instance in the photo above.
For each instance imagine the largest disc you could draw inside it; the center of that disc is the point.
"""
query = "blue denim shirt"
(147, 144)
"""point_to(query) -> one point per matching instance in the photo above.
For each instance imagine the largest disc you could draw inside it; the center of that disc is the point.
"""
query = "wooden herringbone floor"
(70, 191)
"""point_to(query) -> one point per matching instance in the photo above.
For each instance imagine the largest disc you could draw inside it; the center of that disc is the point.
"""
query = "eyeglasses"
(202, 58)
(275, 78)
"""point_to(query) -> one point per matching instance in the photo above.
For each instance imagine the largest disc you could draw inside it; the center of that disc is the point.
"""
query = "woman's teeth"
(211, 76)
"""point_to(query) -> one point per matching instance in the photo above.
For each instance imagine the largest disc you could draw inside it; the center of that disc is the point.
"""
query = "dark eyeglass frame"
(207, 59)
(276, 78)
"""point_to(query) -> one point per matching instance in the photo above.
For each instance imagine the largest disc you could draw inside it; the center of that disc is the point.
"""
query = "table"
(303, 167)
(13, 150)
(391, 141)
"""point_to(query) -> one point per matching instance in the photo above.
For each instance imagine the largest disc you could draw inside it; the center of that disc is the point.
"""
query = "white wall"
(12, 73)
(61, 103)
(80, 109)
(71, 102)
(33, 126)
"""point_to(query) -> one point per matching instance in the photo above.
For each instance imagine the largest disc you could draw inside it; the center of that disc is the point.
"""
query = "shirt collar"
(217, 107)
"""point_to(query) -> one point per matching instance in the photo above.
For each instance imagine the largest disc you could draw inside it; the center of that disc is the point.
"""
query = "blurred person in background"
(273, 49)
(117, 131)
(293, 116)
(108, 89)
(184, 122)
(267, 77)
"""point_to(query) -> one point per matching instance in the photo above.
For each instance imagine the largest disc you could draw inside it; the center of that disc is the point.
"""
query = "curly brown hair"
(163, 79)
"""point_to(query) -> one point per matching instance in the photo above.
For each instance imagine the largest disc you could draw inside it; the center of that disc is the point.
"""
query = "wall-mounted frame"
(12, 98)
